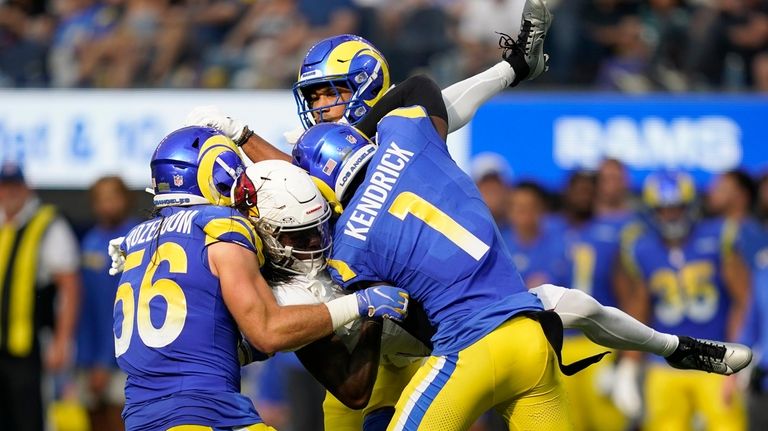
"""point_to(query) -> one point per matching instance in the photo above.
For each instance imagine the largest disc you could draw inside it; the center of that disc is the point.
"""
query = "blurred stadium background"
(88, 88)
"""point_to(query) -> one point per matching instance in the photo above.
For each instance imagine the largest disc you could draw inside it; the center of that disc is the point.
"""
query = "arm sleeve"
(417, 90)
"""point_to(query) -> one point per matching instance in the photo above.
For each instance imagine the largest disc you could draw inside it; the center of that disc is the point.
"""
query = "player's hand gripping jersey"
(688, 293)
(418, 222)
(169, 306)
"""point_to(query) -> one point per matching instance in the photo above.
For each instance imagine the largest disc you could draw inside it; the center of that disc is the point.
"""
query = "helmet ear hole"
(196, 144)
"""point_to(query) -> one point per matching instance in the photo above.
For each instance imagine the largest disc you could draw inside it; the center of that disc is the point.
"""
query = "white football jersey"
(398, 347)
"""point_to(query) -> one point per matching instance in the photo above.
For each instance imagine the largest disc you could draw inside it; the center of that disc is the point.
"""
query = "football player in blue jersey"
(732, 197)
(191, 284)
(467, 285)
(592, 250)
(411, 217)
(685, 276)
(287, 220)
(538, 253)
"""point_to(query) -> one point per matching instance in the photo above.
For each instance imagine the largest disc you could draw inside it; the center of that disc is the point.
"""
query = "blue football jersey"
(540, 261)
(688, 294)
(592, 250)
(95, 341)
(174, 336)
(753, 243)
(418, 222)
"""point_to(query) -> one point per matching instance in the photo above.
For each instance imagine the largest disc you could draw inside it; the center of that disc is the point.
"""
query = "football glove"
(117, 255)
(383, 302)
(211, 116)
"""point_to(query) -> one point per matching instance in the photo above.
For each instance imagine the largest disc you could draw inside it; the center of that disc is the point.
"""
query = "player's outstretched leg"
(526, 53)
(710, 356)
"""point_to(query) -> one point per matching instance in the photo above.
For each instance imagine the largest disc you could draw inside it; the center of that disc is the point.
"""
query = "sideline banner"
(66, 139)
(545, 135)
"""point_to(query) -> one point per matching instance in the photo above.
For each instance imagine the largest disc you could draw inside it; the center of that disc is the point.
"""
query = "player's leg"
(447, 393)
(527, 378)
(719, 414)
(592, 408)
(391, 381)
(607, 326)
(337, 416)
(668, 403)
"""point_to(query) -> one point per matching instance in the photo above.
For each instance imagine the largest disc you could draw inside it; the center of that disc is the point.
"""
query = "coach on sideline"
(38, 258)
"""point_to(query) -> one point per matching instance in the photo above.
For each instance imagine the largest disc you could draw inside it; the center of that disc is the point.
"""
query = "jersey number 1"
(169, 290)
(409, 203)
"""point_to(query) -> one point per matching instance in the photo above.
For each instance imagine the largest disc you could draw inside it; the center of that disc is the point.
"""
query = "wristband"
(244, 136)
(343, 310)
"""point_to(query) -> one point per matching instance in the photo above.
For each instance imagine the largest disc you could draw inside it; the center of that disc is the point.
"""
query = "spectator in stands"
(478, 20)
(82, 26)
(627, 68)
(262, 49)
(115, 59)
(760, 72)
(538, 254)
(101, 381)
(612, 196)
(492, 175)
(41, 259)
(25, 32)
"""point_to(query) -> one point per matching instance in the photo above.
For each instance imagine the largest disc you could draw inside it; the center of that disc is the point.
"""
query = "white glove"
(116, 253)
(626, 393)
(292, 136)
(211, 116)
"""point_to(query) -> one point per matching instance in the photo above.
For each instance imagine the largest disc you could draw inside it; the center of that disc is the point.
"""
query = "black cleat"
(710, 356)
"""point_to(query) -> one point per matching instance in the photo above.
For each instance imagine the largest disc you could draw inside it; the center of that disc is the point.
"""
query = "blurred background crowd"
(619, 45)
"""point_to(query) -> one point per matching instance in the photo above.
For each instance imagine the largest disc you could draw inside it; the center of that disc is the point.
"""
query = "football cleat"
(710, 356)
(529, 45)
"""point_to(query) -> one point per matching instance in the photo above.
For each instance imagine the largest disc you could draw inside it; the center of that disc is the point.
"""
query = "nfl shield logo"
(178, 180)
(351, 139)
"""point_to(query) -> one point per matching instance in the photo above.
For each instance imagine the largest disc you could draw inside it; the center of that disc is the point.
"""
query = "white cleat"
(710, 356)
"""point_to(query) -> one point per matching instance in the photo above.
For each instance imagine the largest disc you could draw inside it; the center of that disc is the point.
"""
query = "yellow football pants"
(673, 397)
(591, 410)
(254, 427)
(390, 383)
(513, 369)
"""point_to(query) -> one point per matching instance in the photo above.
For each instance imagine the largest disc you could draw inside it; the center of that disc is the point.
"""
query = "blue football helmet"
(670, 190)
(346, 61)
(195, 165)
(334, 155)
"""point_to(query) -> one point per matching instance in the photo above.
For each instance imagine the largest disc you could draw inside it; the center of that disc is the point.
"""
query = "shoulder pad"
(225, 224)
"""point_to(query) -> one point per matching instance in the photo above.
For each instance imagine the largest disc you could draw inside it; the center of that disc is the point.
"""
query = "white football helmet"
(289, 213)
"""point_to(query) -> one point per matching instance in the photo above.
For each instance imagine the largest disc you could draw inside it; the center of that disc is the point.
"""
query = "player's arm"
(416, 90)
(737, 280)
(270, 327)
(349, 376)
(258, 149)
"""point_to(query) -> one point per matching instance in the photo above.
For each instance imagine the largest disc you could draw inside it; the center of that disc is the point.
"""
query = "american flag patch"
(329, 166)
